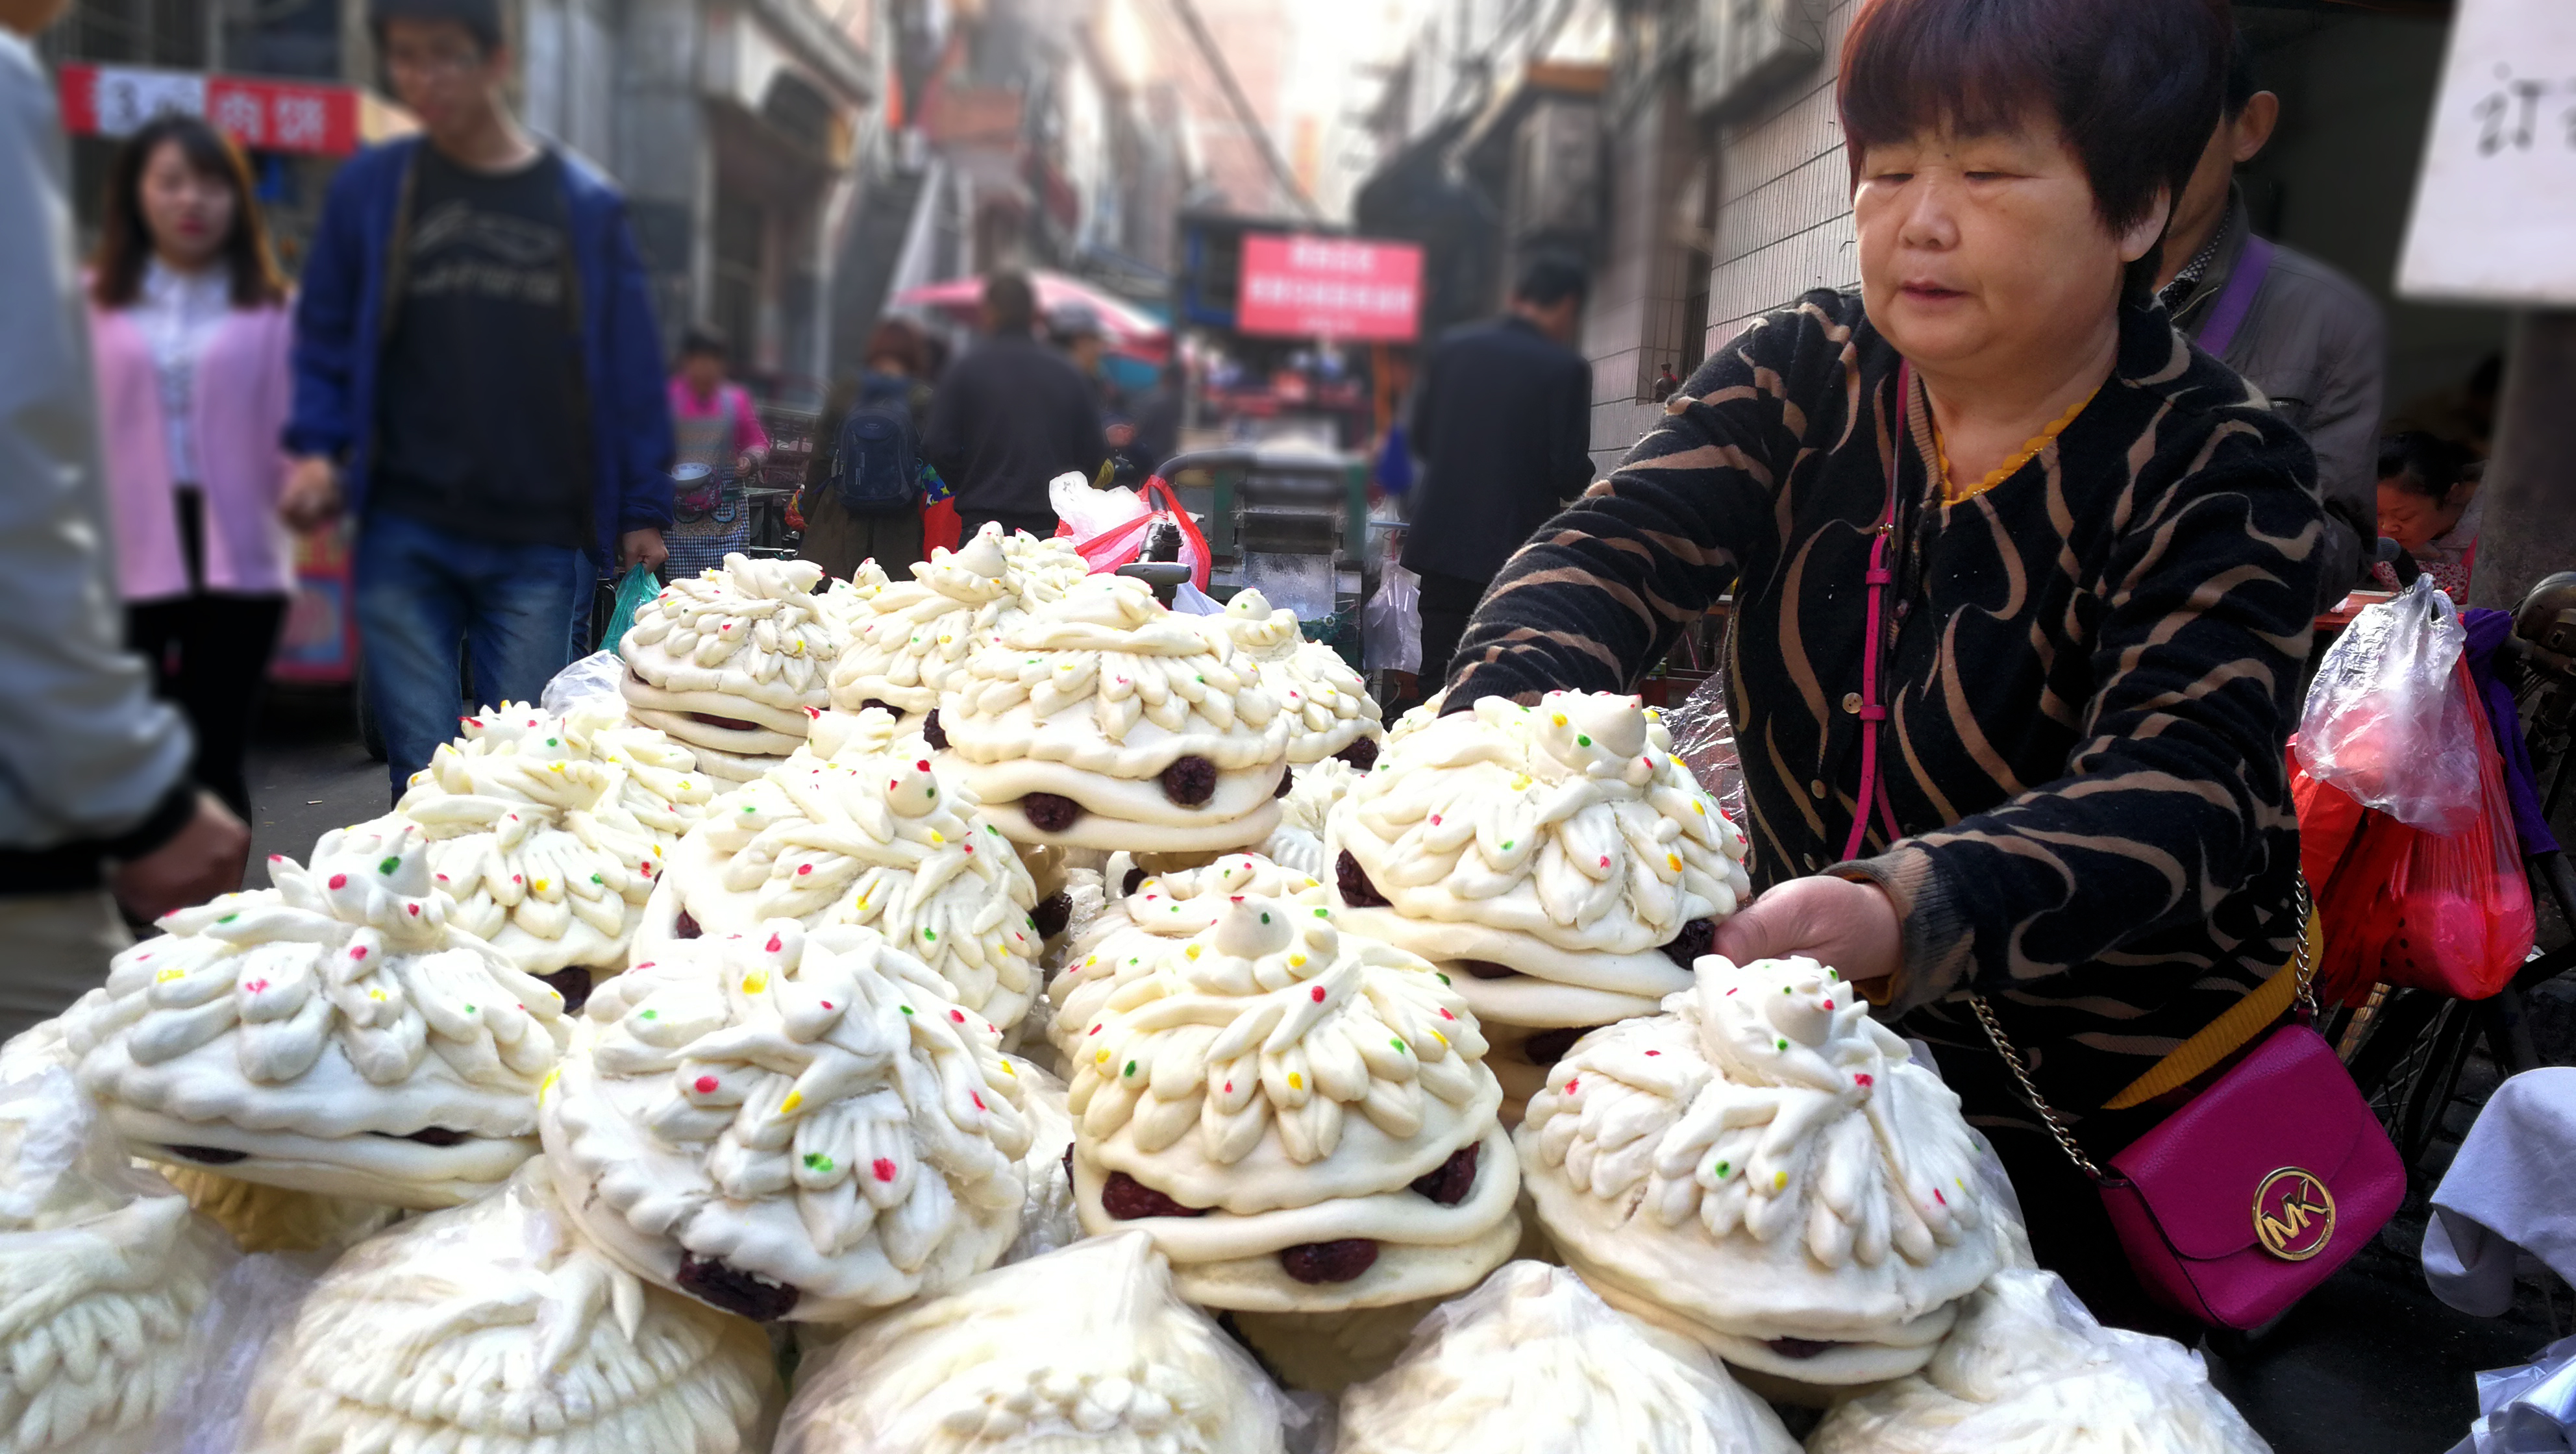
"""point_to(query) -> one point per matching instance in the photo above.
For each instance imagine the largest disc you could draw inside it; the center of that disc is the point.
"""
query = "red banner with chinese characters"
(1329, 287)
(287, 116)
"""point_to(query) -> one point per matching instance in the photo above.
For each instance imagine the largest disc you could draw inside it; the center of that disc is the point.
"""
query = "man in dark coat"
(1502, 422)
(1010, 416)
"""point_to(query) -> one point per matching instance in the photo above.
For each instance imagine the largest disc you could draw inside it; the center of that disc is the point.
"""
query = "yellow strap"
(2222, 1037)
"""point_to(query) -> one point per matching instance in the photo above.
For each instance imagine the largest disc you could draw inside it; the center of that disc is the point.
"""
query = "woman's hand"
(1842, 922)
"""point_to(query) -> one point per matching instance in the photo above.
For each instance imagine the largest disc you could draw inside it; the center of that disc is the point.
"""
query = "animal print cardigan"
(2091, 670)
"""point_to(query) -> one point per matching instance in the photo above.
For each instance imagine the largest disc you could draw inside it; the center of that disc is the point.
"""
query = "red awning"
(1127, 329)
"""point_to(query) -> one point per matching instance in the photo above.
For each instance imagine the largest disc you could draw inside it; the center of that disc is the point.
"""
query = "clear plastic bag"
(1189, 600)
(2385, 720)
(1048, 1219)
(2527, 1410)
(2028, 1371)
(1704, 734)
(255, 1302)
(1088, 1348)
(1534, 1362)
(1391, 623)
(594, 676)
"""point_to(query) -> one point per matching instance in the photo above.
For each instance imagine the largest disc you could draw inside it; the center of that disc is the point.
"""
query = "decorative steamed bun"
(890, 841)
(1331, 715)
(735, 662)
(1533, 1362)
(2028, 1371)
(1559, 861)
(1298, 841)
(1764, 1169)
(103, 1270)
(548, 832)
(910, 640)
(495, 1327)
(1105, 720)
(263, 1218)
(790, 1125)
(1300, 1117)
(333, 1034)
(1084, 1349)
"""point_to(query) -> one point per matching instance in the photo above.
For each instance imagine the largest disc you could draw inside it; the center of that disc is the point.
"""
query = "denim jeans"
(430, 601)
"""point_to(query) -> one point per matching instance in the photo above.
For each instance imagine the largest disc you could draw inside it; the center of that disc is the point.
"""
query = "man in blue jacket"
(478, 380)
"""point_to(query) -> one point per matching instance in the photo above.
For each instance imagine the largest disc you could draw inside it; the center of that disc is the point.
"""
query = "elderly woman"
(2098, 553)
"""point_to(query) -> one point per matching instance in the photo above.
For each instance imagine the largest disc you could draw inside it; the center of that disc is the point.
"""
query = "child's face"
(2410, 519)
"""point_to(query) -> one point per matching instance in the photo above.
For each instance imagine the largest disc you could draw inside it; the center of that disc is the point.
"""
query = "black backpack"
(876, 470)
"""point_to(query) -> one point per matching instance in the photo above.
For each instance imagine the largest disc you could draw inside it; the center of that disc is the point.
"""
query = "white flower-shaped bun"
(1137, 728)
(103, 1270)
(1135, 930)
(1047, 565)
(1532, 1362)
(2028, 1371)
(735, 662)
(790, 1125)
(495, 1327)
(1328, 705)
(1560, 859)
(334, 1033)
(548, 831)
(1764, 1168)
(1086, 1349)
(909, 641)
(1299, 1116)
(889, 841)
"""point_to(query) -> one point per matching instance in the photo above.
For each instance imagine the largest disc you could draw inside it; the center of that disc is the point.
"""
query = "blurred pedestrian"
(1502, 422)
(95, 797)
(2428, 504)
(867, 486)
(189, 333)
(715, 425)
(476, 360)
(2304, 334)
(1010, 416)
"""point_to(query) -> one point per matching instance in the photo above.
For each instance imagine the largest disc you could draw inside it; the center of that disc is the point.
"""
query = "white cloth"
(2512, 1188)
(179, 314)
(2526, 1410)
(84, 749)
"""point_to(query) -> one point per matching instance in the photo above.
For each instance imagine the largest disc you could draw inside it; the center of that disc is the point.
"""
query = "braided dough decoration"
(1764, 1162)
(2028, 1371)
(307, 1034)
(495, 1327)
(1093, 697)
(808, 1110)
(1085, 1349)
(888, 841)
(909, 641)
(263, 1218)
(103, 1270)
(1532, 1362)
(750, 643)
(1327, 703)
(1293, 1081)
(548, 831)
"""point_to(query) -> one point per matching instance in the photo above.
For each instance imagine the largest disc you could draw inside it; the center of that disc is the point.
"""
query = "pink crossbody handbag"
(2264, 1182)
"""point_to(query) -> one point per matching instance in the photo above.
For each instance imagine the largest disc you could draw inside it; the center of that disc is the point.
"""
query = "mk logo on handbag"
(2294, 1214)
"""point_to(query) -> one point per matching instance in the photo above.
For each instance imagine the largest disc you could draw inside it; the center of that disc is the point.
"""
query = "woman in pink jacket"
(189, 334)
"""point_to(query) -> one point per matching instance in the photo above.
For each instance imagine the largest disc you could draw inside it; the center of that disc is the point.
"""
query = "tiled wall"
(1625, 288)
(1784, 212)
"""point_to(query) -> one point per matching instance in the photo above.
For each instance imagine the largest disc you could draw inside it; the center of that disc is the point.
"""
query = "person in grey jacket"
(94, 789)
(2311, 340)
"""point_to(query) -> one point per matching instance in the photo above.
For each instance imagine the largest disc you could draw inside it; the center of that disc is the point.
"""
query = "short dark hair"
(125, 241)
(1012, 301)
(2240, 76)
(2421, 464)
(898, 341)
(1548, 280)
(481, 18)
(705, 341)
(2134, 86)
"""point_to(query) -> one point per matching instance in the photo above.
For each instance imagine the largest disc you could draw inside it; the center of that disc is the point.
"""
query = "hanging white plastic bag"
(1391, 623)
(596, 675)
(2385, 720)
(1084, 1347)
(1089, 512)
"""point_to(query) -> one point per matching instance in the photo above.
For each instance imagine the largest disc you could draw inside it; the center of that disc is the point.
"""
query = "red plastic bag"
(2447, 913)
(1125, 543)
(939, 526)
